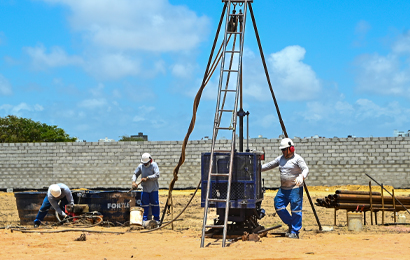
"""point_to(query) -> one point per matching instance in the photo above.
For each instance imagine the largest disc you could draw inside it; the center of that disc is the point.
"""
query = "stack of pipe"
(360, 201)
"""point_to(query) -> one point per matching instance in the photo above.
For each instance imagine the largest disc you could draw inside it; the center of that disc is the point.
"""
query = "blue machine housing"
(246, 185)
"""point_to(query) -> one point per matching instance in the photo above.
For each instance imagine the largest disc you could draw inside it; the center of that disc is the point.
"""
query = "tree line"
(15, 129)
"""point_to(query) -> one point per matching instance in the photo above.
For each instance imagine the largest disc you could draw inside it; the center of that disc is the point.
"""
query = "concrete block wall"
(332, 161)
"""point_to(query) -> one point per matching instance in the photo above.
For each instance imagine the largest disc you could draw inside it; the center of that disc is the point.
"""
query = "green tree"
(23, 130)
(128, 138)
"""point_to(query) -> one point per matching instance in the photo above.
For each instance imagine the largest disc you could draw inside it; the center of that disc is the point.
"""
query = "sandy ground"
(183, 242)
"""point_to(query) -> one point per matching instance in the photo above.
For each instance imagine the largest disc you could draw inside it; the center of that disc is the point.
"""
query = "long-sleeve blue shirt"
(151, 173)
(65, 192)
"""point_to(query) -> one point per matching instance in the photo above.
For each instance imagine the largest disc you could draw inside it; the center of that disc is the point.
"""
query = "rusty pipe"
(353, 206)
(356, 192)
(367, 197)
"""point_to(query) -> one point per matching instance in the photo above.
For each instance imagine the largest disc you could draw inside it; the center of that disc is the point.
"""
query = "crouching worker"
(149, 172)
(55, 194)
(293, 170)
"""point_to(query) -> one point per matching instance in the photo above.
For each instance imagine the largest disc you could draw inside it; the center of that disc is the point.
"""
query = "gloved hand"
(65, 218)
(299, 180)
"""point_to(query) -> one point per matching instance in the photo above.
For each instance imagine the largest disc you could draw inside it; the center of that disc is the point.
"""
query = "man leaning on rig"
(149, 172)
(293, 170)
(55, 194)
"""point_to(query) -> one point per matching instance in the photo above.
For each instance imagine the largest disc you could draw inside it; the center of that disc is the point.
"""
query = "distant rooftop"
(106, 139)
(401, 133)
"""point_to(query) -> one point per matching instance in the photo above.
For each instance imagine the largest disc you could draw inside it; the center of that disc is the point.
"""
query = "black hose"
(189, 202)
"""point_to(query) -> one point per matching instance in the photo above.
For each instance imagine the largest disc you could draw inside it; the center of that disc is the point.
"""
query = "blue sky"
(100, 68)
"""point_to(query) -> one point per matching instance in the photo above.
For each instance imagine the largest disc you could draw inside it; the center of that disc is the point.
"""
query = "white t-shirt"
(289, 169)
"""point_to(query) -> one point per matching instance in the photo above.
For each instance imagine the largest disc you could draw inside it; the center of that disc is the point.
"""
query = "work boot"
(293, 235)
(287, 234)
(145, 223)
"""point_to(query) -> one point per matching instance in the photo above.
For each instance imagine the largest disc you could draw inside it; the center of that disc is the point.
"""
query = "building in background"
(106, 140)
(401, 133)
(140, 135)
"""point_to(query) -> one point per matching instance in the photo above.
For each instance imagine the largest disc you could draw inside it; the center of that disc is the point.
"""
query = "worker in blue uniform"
(149, 172)
(56, 193)
(293, 170)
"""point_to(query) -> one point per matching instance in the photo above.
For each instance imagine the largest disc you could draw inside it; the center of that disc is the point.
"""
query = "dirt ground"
(183, 242)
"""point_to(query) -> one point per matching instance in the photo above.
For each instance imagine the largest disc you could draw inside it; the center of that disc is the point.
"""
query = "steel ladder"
(234, 26)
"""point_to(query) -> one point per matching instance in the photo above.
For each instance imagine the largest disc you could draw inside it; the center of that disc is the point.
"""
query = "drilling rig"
(231, 181)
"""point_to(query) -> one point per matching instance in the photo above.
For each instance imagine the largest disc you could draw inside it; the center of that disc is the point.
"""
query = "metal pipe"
(366, 197)
(356, 192)
(394, 206)
(366, 206)
(311, 204)
(382, 204)
(247, 131)
(371, 202)
(386, 190)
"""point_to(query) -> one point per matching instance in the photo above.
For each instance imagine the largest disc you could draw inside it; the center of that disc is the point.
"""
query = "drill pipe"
(356, 192)
(366, 207)
(403, 199)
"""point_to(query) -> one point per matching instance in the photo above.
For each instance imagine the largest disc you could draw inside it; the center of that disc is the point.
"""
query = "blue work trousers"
(150, 199)
(45, 207)
(295, 198)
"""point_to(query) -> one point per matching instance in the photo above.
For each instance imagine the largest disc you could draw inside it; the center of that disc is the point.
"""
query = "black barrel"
(28, 204)
(114, 205)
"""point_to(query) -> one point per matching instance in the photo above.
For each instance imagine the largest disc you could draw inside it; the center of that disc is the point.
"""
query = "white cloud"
(93, 103)
(267, 120)
(5, 87)
(368, 109)
(159, 123)
(125, 37)
(402, 45)
(116, 93)
(114, 66)
(57, 57)
(295, 77)
(291, 79)
(138, 119)
(344, 108)
(38, 107)
(6, 107)
(362, 110)
(98, 91)
(182, 70)
(144, 112)
(362, 27)
(137, 25)
(16, 110)
(386, 75)
(146, 109)
(361, 30)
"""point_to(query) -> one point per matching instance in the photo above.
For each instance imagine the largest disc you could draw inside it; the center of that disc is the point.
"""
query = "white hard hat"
(55, 190)
(285, 143)
(146, 158)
